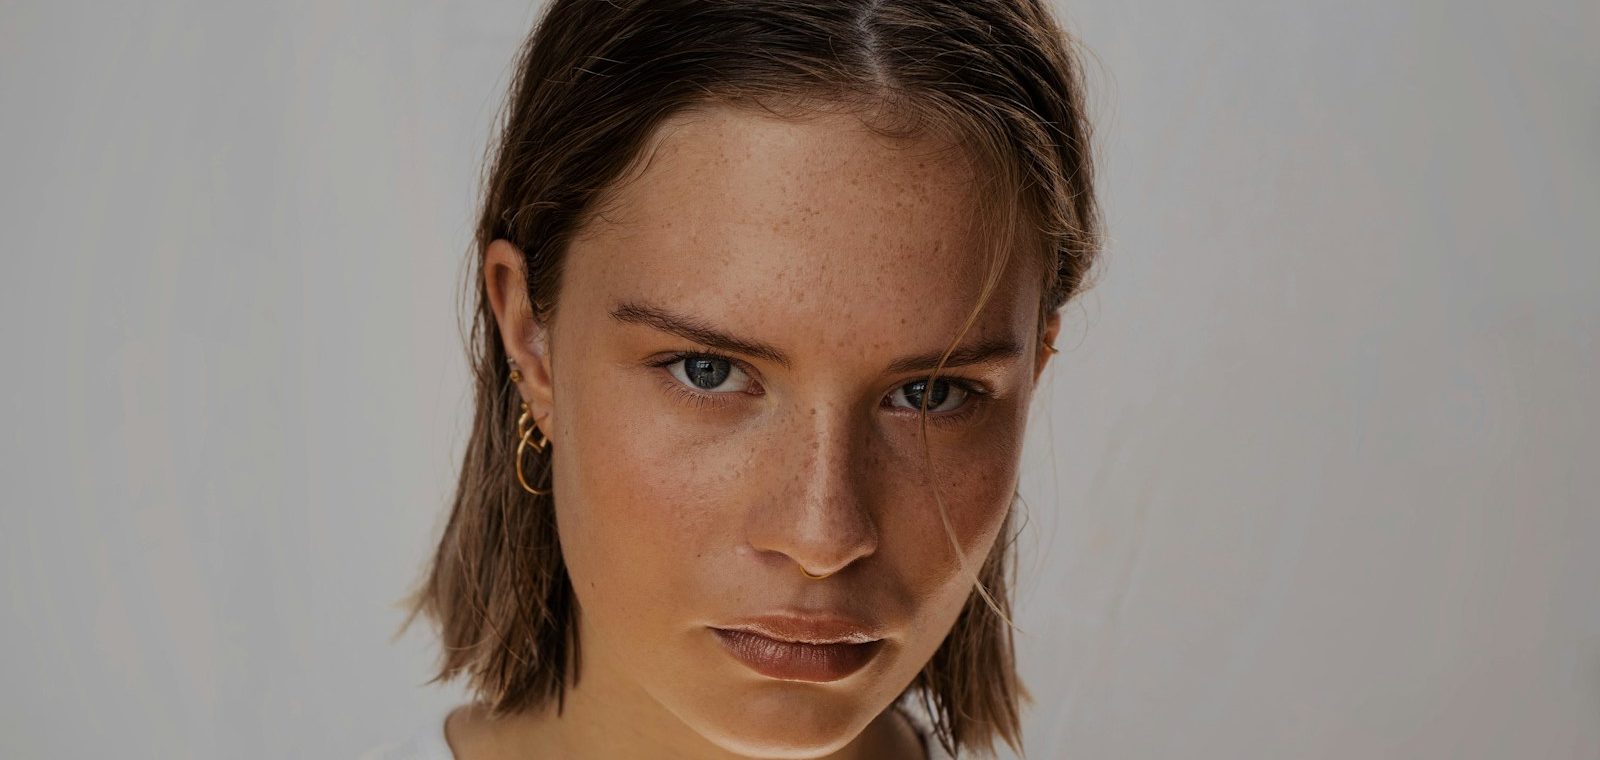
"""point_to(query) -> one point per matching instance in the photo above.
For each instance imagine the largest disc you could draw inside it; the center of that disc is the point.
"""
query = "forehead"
(811, 228)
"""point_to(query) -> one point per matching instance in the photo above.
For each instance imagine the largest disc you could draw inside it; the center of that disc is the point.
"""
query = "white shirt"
(429, 743)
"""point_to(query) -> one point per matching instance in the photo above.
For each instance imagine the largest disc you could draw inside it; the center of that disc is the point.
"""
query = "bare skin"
(682, 506)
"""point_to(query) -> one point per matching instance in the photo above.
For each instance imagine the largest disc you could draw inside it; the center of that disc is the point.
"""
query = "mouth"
(797, 661)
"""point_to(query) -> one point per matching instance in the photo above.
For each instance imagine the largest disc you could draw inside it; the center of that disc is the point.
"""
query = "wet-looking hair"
(998, 78)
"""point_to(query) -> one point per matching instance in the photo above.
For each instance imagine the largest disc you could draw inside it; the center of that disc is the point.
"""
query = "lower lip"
(789, 661)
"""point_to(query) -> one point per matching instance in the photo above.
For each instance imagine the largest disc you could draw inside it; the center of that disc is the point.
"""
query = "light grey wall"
(1315, 479)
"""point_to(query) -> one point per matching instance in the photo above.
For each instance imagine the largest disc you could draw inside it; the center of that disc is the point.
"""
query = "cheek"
(974, 472)
(975, 486)
(976, 482)
(638, 502)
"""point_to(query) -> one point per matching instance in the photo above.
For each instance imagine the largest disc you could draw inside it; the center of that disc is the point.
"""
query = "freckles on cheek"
(659, 533)
(977, 491)
(652, 492)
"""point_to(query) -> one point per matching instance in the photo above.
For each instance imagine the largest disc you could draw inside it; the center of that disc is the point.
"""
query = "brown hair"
(593, 80)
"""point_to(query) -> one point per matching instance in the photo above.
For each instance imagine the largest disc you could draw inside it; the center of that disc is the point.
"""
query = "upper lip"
(807, 628)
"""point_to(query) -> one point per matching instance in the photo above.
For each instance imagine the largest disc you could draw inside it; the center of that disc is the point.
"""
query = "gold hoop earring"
(1050, 348)
(525, 431)
(814, 577)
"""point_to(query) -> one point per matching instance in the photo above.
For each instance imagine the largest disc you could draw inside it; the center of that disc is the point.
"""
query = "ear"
(1052, 327)
(526, 341)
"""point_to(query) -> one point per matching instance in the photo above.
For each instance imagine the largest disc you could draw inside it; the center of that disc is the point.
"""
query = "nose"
(818, 514)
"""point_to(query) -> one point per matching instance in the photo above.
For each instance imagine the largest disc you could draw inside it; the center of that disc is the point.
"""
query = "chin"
(782, 723)
(766, 746)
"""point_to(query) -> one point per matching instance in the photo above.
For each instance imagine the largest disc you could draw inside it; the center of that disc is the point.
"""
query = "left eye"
(913, 393)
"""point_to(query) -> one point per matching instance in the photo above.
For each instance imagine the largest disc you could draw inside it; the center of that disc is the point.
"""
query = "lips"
(796, 661)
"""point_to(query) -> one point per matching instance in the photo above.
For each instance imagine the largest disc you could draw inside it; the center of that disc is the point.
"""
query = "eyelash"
(977, 395)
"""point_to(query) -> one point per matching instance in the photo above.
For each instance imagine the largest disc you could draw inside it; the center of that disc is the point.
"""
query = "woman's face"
(730, 387)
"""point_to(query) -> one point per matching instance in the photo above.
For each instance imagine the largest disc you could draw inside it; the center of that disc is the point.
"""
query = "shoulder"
(426, 743)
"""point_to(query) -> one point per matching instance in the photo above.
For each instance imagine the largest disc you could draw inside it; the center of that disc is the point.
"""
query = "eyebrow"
(699, 331)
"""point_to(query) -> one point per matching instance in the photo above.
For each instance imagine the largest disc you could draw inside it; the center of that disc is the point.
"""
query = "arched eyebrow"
(699, 331)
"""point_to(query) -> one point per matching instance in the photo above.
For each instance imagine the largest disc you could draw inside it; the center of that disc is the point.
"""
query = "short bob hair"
(998, 78)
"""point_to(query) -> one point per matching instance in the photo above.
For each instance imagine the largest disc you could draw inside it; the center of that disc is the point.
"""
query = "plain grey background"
(1314, 478)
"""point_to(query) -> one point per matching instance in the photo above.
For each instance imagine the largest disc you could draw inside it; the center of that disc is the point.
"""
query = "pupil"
(706, 372)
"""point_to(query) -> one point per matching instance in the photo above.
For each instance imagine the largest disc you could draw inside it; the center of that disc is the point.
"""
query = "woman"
(764, 290)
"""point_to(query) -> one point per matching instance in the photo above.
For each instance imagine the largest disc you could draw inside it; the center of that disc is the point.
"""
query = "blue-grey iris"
(706, 372)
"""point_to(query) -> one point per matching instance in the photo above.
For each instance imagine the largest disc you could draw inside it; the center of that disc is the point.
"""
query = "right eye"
(705, 373)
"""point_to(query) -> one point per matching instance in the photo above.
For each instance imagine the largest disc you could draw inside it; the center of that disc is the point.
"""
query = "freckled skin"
(845, 250)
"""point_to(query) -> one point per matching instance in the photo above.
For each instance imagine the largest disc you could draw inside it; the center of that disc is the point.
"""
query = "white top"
(429, 743)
